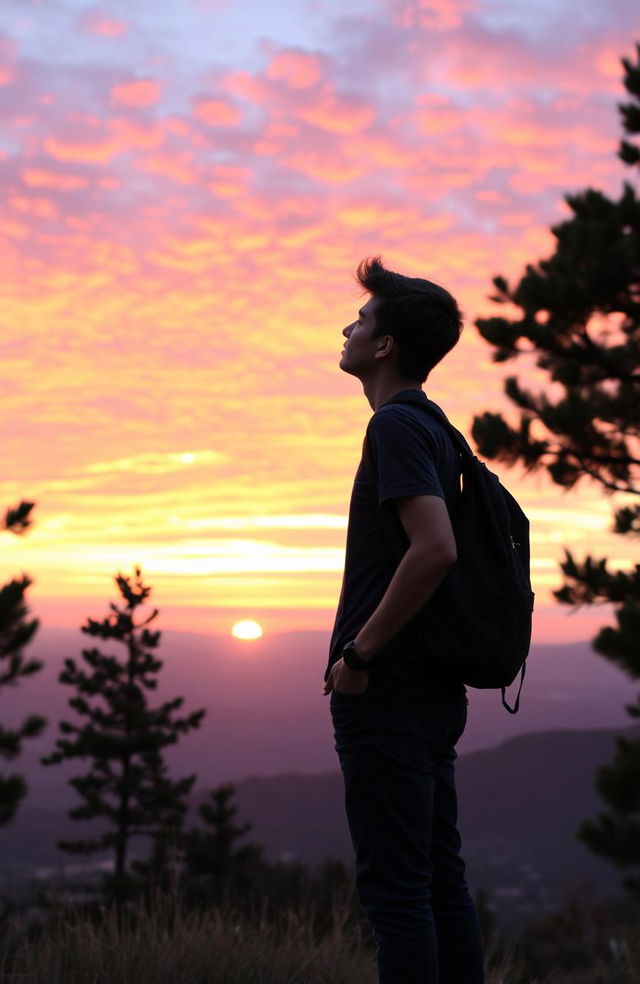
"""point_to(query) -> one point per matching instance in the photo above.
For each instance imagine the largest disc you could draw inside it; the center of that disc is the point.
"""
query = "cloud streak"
(180, 223)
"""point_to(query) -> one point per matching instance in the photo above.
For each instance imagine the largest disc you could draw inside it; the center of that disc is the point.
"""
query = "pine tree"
(580, 321)
(16, 631)
(128, 786)
(215, 864)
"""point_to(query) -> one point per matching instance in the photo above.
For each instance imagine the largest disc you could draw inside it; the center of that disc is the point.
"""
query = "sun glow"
(247, 629)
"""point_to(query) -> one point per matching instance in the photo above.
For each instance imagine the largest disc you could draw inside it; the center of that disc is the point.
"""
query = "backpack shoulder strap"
(434, 410)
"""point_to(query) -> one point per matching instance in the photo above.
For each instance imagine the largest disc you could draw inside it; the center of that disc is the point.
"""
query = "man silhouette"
(396, 725)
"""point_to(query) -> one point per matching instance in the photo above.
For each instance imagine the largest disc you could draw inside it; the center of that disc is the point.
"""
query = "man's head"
(421, 317)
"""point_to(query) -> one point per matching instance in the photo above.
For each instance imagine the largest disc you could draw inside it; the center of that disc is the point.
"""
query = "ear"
(384, 346)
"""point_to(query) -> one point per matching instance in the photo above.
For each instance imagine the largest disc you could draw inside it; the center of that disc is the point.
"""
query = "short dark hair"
(423, 318)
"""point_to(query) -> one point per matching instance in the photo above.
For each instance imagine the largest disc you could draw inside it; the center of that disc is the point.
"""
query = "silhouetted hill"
(266, 714)
(520, 805)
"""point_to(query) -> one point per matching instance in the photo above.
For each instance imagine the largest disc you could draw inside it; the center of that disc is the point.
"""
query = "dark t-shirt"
(413, 455)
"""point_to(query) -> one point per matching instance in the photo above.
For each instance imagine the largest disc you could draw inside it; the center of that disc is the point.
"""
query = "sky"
(188, 186)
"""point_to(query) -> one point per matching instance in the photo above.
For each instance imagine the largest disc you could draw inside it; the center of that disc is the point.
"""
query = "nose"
(347, 331)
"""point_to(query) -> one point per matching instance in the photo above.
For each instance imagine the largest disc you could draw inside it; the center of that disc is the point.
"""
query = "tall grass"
(164, 942)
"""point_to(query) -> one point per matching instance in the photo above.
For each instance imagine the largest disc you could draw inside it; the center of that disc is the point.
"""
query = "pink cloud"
(383, 150)
(607, 64)
(337, 113)
(102, 23)
(247, 85)
(175, 125)
(38, 178)
(216, 112)
(437, 114)
(230, 172)
(81, 151)
(8, 52)
(324, 167)
(135, 134)
(440, 15)
(506, 61)
(297, 68)
(41, 208)
(275, 138)
(229, 181)
(176, 167)
(139, 93)
(14, 230)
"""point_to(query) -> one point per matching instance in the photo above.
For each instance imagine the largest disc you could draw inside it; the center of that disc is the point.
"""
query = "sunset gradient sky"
(188, 186)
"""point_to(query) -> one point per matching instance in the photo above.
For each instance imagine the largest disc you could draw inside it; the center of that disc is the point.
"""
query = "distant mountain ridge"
(525, 781)
(266, 714)
(520, 804)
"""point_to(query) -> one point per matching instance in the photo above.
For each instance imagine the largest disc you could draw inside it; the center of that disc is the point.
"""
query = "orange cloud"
(81, 152)
(134, 134)
(102, 23)
(381, 150)
(489, 195)
(274, 139)
(229, 181)
(38, 178)
(324, 167)
(176, 167)
(438, 114)
(216, 112)
(297, 68)
(607, 62)
(244, 84)
(175, 125)
(42, 208)
(139, 93)
(14, 230)
(337, 113)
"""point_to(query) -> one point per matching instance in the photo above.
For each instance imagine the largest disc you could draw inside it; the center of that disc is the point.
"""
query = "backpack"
(476, 628)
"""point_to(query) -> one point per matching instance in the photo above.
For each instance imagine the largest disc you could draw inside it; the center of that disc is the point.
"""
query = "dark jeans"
(396, 750)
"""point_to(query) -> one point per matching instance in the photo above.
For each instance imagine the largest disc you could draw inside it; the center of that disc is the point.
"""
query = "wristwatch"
(353, 660)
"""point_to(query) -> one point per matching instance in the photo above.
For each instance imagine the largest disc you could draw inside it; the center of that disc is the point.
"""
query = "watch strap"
(353, 660)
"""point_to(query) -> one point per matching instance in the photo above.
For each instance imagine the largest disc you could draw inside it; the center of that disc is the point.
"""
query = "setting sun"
(247, 629)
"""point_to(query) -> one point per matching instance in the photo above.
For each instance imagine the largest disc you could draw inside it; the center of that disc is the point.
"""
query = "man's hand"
(345, 680)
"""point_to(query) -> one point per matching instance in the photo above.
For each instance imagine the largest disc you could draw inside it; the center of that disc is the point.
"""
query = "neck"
(378, 391)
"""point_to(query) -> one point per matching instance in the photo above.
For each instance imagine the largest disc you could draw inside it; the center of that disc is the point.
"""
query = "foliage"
(215, 865)
(127, 786)
(586, 941)
(16, 631)
(166, 943)
(579, 321)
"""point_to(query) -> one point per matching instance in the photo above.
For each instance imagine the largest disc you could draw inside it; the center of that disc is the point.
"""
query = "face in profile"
(358, 353)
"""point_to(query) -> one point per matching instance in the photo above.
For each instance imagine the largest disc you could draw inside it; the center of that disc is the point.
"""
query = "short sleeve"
(404, 454)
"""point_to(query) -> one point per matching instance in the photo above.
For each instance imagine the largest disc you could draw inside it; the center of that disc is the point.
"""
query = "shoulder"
(397, 420)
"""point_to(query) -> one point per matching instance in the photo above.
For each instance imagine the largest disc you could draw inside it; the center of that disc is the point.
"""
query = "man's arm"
(430, 555)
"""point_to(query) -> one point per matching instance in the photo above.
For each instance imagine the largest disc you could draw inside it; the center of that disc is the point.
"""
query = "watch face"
(351, 658)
